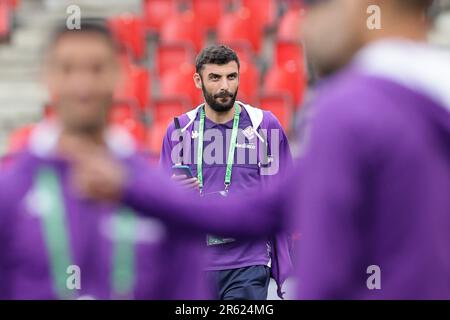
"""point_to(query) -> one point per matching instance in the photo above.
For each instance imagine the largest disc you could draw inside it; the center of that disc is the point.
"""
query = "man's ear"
(197, 81)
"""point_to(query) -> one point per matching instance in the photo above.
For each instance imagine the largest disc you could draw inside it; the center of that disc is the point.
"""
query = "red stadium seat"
(165, 109)
(171, 56)
(239, 26)
(289, 79)
(288, 72)
(181, 83)
(289, 28)
(130, 33)
(280, 105)
(135, 85)
(264, 11)
(156, 13)
(142, 83)
(183, 27)
(122, 111)
(208, 12)
(155, 137)
(249, 80)
(5, 19)
(126, 115)
(287, 52)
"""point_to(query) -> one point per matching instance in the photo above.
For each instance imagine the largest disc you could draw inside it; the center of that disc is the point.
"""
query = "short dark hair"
(215, 54)
(98, 26)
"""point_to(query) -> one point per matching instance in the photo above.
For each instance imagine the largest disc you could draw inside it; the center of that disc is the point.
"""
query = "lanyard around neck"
(58, 244)
(231, 151)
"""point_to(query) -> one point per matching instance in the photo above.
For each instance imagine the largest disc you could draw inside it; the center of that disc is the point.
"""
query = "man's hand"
(95, 172)
(100, 177)
(185, 182)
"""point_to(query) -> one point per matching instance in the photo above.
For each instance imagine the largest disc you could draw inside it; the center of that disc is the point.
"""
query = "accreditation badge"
(214, 241)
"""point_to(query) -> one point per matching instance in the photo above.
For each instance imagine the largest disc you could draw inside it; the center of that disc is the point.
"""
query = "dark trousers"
(249, 283)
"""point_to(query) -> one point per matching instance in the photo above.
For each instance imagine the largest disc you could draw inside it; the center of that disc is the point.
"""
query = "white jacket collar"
(44, 139)
(418, 66)
(256, 115)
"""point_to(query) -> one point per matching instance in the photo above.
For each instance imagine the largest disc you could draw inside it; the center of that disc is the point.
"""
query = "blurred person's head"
(334, 30)
(82, 73)
(217, 74)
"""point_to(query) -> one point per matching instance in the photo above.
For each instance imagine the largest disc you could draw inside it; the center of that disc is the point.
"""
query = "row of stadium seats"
(244, 25)
(208, 13)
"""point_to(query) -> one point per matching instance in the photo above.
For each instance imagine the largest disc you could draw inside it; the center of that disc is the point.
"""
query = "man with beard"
(231, 147)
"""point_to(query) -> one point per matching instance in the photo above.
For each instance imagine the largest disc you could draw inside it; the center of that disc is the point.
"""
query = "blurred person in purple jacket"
(54, 242)
(373, 204)
(370, 192)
